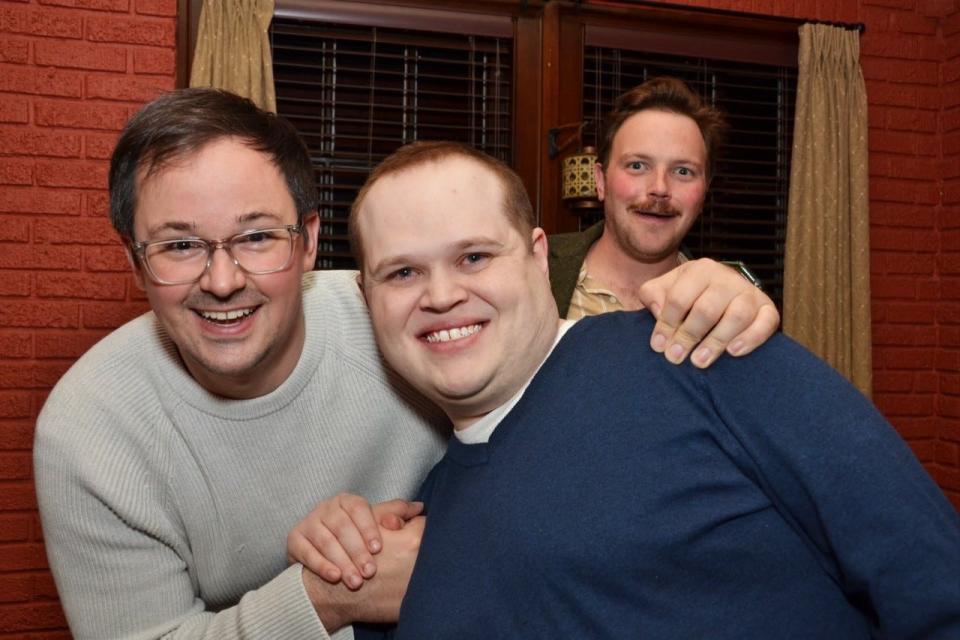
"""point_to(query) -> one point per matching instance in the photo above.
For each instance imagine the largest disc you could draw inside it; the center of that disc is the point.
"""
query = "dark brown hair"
(666, 94)
(516, 203)
(180, 123)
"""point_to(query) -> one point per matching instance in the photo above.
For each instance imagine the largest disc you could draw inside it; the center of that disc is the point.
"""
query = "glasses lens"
(176, 260)
(263, 250)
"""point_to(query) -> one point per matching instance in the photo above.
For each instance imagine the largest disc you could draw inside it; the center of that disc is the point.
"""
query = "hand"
(338, 538)
(378, 601)
(702, 296)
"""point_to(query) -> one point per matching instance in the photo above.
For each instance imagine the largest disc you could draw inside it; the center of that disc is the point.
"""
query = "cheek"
(622, 186)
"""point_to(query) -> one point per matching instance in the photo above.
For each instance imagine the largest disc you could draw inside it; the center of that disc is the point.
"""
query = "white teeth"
(453, 334)
(226, 316)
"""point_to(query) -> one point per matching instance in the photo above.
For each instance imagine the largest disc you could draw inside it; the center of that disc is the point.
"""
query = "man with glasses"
(174, 457)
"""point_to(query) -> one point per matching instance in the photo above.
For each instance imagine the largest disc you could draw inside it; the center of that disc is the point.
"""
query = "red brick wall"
(71, 72)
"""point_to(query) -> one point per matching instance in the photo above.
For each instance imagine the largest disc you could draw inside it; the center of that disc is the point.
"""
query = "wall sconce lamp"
(578, 188)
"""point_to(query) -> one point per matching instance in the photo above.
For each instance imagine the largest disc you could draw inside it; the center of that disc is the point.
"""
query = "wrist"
(331, 608)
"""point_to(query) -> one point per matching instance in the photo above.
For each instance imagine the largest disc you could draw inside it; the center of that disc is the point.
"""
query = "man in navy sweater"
(594, 490)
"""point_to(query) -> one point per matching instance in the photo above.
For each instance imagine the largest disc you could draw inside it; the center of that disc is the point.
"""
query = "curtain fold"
(826, 294)
(233, 50)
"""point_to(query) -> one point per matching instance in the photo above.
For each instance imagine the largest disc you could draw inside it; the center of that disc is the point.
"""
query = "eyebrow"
(191, 227)
(476, 243)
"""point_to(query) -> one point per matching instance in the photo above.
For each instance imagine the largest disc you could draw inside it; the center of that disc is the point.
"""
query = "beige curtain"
(233, 51)
(826, 298)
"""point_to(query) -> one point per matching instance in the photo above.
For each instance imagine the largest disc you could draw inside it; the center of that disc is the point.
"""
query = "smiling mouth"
(449, 335)
(226, 317)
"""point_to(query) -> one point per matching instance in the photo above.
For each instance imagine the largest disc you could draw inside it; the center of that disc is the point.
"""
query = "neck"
(464, 415)
(622, 273)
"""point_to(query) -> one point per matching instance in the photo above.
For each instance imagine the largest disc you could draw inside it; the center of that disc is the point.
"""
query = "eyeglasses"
(185, 260)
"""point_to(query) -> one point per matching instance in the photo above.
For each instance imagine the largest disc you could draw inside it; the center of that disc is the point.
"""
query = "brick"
(14, 109)
(98, 204)
(950, 264)
(908, 191)
(85, 231)
(30, 375)
(166, 8)
(40, 22)
(912, 23)
(920, 216)
(37, 200)
(918, 240)
(16, 284)
(904, 335)
(903, 263)
(14, 527)
(901, 71)
(947, 453)
(896, 142)
(14, 50)
(16, 496)
(39, 257)
(931, 48)
(898, 4)
(15, 434)
(935, 9)
(897, 95)
(885, 45)
(157, 33)
(32, 617)
(14, 345)
(154, 61)
(892, 381)
(16, 171)
(81, 115)
(893, 288)
(33, 142)
(948, 479)
(911, 428)
(106, 258)
(14, 404)
(29, 314)
(65, 344)
(128, 88)
(48, 81)
(15, 587)
(909, 358)
(96, 5)
(99, 146)
(15, 466)
(85, 286)
(82, 174)
(110, 316)
(950, 24)
(81, 55)
(920, 120)
(950, 240)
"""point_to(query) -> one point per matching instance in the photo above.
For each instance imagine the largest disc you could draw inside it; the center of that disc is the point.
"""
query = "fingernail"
(369, 569)
(658, 342)
(374, 546)
(702, 355)
(735, 347)
(354, 581)
(332, 575)
(675, 354)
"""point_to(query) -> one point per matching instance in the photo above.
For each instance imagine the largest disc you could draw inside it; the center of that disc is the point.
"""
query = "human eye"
(184, 247)
(257, 239)
(401, 275)
(636, 165)
(686, 172)
(475, 260)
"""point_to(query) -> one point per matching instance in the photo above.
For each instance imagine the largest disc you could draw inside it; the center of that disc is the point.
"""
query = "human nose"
(223, 275)
(659, 186)
(443, 291)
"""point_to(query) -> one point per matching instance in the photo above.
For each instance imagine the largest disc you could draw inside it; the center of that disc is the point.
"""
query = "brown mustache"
(657, 206)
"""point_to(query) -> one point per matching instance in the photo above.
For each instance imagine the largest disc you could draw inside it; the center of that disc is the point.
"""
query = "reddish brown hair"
(666, 94)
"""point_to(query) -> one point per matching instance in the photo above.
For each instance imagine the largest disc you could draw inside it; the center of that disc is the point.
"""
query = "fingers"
(393, 514)
(706, 308)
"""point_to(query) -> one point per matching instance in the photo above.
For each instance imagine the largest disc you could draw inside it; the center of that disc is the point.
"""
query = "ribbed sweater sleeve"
(165, 509)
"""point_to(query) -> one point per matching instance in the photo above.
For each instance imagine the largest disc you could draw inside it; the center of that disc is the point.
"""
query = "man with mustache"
(656, 160)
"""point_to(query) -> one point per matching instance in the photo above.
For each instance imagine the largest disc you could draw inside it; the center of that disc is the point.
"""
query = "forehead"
(223, 179)
(654, 129)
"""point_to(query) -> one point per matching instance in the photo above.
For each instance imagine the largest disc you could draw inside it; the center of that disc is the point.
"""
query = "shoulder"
(574, 244)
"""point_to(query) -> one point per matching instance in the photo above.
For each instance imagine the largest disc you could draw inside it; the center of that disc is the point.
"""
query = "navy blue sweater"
(625, 497)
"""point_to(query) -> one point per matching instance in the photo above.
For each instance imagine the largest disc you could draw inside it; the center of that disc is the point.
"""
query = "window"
(356, 93)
